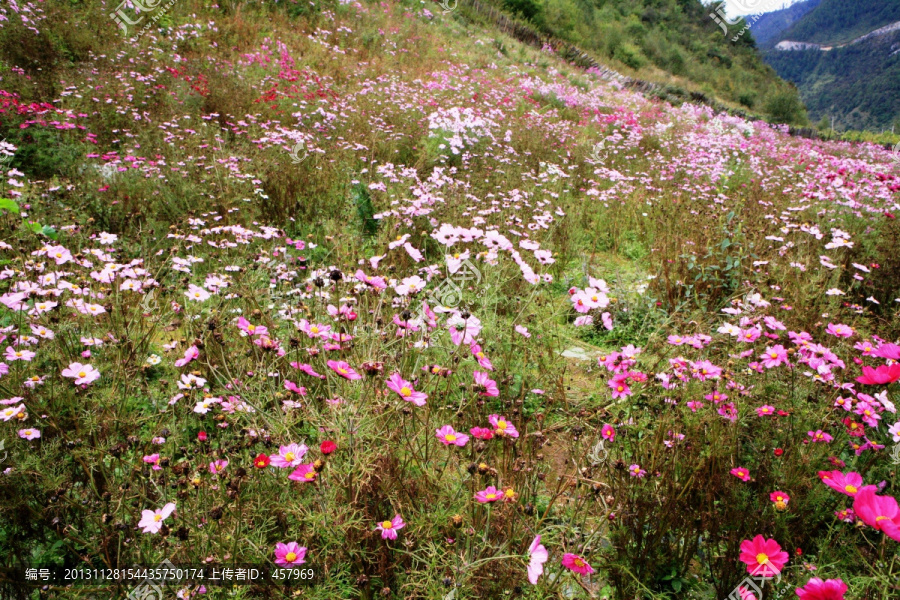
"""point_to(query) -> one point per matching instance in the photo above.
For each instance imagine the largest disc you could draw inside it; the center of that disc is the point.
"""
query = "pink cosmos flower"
(746, 594)
(463, 331)
(846, 515)
(290, 554)
(29, 434)
(153, 459)
(522, 330)
(250, 329)
(741, 473)
(883, 375)
(780, 500)
(774, 357)
(405, 389)
(482, 433)
(576, 564)
(217, 466)
(83, 374)
(819, 436)
(304, 473)
(189, 355)
(293, 387)
(289, 456)
(389, 528)
(448, 436)
(879, 512)
(502, 426)
(816, 589)
(307, 369)
(343, 369)
(483, 360)
(608, 432)
(487, 385)
(13, 354)
(764, 558)
(152, 520)
(636, 471)
(839, 330)
(489, 494)
(765, 410)
(537, 556)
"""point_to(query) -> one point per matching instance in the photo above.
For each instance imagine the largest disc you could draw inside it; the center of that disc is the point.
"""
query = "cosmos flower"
(289, 456)
(343, 369)
(780, 500)
(290, 554)
(448, 436)
(389, 529)
(489, 494)
(217, 466)
(816, 589)
(878, 512)
(537, 556)
(741, 473)
(405, 390)
(502, 426)
(576, 564)
(82, 374)
(608, 432)
(152, 520)
(487, 385)
(29, 434)
(304, 473)
(764, 558)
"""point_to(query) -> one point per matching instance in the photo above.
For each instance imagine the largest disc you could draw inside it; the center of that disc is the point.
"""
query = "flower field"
(370, 289)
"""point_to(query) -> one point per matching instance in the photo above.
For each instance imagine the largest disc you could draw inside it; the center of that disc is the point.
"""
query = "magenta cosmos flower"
(764, 558)
(290, 554)
(217, 466)
(343, 369)
(780, 500)
(152, 520)
(576, 564)
(305, 473)
(448, 436)
(487, 385)
(774, 357)
(845, 483)
(82, 374)
(816, 589)
(879, 512)
(537, 556)
(289, 456)
(488, 494)
(502, 426)
(405, 390)
(636, 471)
(741, 473)
(389, 529)
(608, 432)
(483, 361)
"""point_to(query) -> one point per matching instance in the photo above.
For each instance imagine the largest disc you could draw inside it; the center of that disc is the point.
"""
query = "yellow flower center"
(387, 525)
(290, 557)
(762, 558)
(314, 329)
(880, 518)
(82, 374)
(342, 370)
(157, 517)
(310, 475)
(510, 493)
(490, 496)
(405, 391)
(450, 437)
(579, 563)
(251, 328)
(851, 488)
(501, 424)
(289, 457)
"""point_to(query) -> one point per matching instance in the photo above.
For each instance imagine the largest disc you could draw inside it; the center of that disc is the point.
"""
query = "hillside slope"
(768, 28)
(855, 76)
(380, 295)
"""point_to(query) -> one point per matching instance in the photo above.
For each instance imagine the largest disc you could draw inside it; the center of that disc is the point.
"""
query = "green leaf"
(10, 205)
(50, 232)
